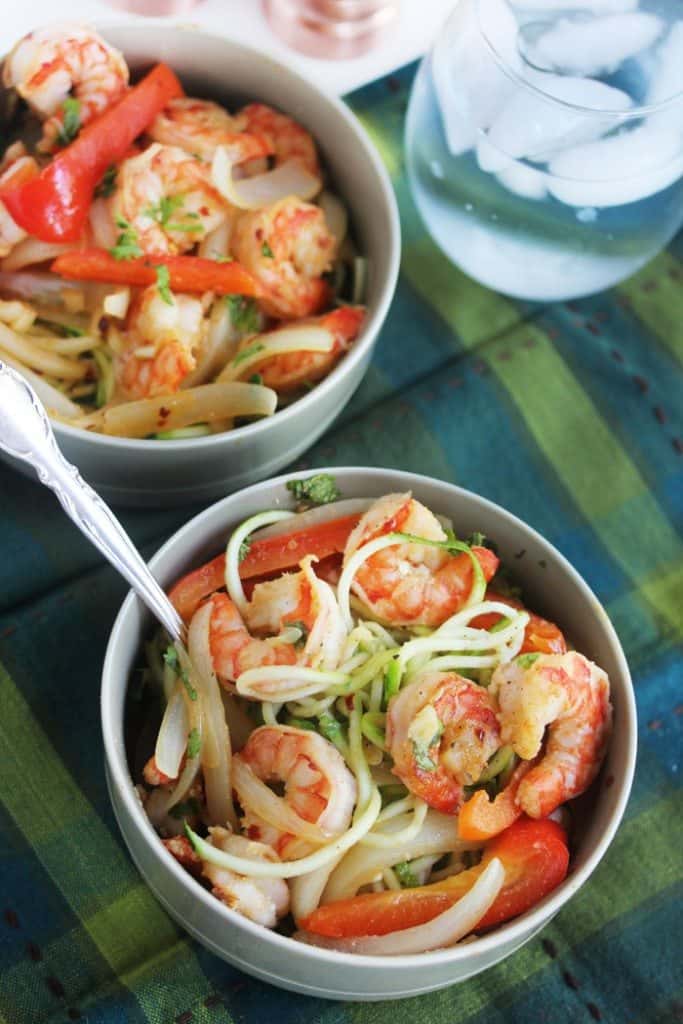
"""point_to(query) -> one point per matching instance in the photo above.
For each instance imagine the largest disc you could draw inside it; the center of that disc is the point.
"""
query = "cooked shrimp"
(51, 64)
(441, 731)
(166, 198)
(200, 126)
(288, 139)
(163, 338)
(318, 787)
(568, 695)
(288, 247)
(16, 168)
(299, 599)
(263, 900)
(410, 584)
(291, 370)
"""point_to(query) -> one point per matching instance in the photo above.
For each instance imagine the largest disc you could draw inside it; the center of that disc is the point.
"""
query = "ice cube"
(594, 6)
(595, 46)
(534, 126)
(667, 79)
(523, 181)
(621, 169)
(470, 85)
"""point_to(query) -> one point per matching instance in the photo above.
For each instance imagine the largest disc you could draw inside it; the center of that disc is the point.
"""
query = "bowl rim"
(373, 323)
(494, 941)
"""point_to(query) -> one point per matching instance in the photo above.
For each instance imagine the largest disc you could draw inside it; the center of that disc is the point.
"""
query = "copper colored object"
(331, 28)
(155, 8)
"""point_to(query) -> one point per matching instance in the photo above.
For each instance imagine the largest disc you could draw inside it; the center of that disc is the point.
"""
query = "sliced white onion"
(438, 835)
(32, 251)
(306, 890)
(116, 303)
(257, 798)
(53, 399)
(172, 737)
(442, 931)
(215, 752)
(217, 242)
(336, 215)
(289, 179)
(316, 516)
(216, 347)
(262, 347)
(104, 231)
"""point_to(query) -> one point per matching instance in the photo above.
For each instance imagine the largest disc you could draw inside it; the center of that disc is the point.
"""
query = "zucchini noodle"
(233, 583)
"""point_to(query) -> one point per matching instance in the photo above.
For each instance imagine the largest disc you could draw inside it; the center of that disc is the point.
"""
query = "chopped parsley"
(421, 750)
(527, 660)
(108, 182)
(171, 659)
(71, 122)
(246, 353)
(267, 251)
(476, 540)
(316, 490)
(406, 875)
(162, 212)
(244, 314)
(244, 549)
(256, 378)
(164, 284)
(126, 247)
(194, 743)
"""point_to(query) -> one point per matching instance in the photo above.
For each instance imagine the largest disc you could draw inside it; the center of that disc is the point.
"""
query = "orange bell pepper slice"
(481, 818)
(534, 855)
(186, 273)
(540, 635)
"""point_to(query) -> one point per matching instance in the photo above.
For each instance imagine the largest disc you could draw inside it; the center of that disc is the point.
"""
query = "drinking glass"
(544, 141)
(333, 29)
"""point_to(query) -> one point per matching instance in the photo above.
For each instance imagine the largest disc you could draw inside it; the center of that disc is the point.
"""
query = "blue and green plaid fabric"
(571, 416)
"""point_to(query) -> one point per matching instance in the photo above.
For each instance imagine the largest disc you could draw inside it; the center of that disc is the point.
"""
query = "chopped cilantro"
(194, 743)
(126, 247)
(71, 122)
(252, 350)
(244, 549)
(527, 660)
(421, 751)
(266, 251)
(170, 657)
(256, 378)
(244, 313)
(476, 540)
(164, 284)
(108, 182)
(63, 330)
(164, 210)
(316, 490)
(406, 875)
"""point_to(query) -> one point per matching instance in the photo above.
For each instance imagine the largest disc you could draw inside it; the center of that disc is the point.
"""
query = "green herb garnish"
(107, 184)
(194, 743)
(527, 660)
(71, 122)
(266, 251)
(170, 657)
(256, 378)
(244, 314)
(164, 284)
(126, 247)
(244, 549)
(406, 875)
(421, 751)
(316, 490)
(252, 350)
(63, 330)
(476, 540)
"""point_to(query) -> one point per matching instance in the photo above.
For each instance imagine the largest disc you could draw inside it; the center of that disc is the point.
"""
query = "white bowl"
(138, 472)
(550, 586)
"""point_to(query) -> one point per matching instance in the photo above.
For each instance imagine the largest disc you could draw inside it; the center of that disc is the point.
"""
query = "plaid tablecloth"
(570, 415)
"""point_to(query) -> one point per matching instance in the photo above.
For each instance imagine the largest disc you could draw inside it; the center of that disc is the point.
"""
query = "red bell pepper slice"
(186, 273)
(540, 635)
(54, 206)
(534, 855)
(265, 556)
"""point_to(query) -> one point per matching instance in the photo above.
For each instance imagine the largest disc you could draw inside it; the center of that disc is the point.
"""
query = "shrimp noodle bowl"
(370, 742)
(203, 275)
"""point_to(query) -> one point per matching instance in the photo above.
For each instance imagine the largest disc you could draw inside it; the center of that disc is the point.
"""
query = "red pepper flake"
(164, 413)
(349, 701)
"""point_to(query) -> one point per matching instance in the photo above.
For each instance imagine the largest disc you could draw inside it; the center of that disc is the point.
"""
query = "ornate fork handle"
(26, 433)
